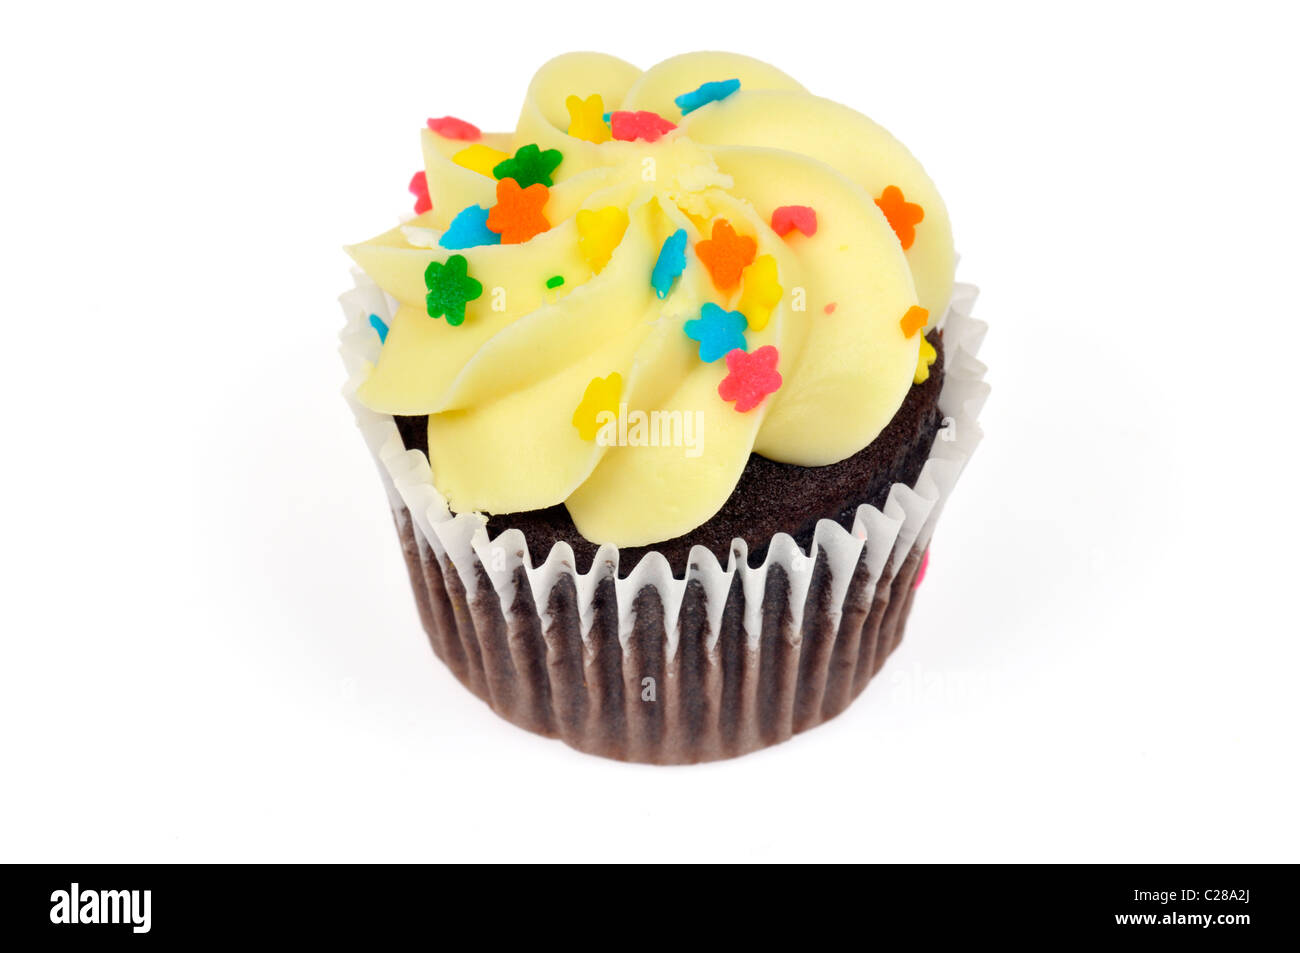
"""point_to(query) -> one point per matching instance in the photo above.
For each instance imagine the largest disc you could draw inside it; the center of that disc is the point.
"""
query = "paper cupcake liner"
(653, 667)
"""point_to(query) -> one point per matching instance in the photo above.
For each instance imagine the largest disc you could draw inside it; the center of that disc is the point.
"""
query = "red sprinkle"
(449, 127)
(925, 564)
(629, 126)
(789, 217)
(750, 377)
(419, 187)
(830, 308)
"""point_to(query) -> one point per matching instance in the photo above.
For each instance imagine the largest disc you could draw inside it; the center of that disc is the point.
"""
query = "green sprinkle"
(555, 281)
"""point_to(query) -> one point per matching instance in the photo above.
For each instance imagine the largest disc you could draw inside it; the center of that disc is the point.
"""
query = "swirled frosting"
(581, 307)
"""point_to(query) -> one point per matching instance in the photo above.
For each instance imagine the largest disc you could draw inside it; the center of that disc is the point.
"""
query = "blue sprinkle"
(606, 116)
(381, 329)
(469, 229)
(707, 93)
(719, 332)
(671, 263)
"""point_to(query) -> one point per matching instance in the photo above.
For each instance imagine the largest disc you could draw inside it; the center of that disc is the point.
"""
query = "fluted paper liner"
(652, 667)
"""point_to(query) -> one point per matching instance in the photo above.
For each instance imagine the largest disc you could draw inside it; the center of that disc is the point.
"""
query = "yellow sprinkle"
(587, 118)
(923, 361)
(601, 395)
(480, 158)
(599, 233)
(762, 292)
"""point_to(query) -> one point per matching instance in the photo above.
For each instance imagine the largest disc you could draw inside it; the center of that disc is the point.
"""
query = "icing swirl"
(581, 304)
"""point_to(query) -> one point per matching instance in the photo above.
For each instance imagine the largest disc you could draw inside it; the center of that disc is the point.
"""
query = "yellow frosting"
(513, 393)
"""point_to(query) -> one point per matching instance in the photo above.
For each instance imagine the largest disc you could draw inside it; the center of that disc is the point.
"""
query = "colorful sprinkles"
(469, 230)
(450, 289)
(419, 187)
(750, 377)
(380, 327)
(647, 126)
(726, 254)
(555, 281)
(601, 396)
(599, 232)
(924, 359)
(587, 118)
(670, 263)
(480, 158)
(449, 127)
(761, 293)
(529, 166)
(706, 93)
(717, 331)
(903, 216)
(913, 320)
(789, 217)
(517, 216)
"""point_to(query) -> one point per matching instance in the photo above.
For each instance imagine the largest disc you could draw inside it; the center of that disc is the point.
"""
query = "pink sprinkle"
(449, 127)
(830, 308)
(629, 126)
(789, 217)
(419, 187)
(925, 563)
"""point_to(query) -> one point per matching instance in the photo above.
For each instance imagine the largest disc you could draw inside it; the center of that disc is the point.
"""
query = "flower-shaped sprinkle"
(529, 166)
(469, 230)
(903, 215)
(630, 126)
(719, 332)
(726, 254)
(517, 216)
(924, 359)
(450, 288)
(419, 187)
(913, 320)
(670, 263)
(601, 396)
(750, 377)
(762, 292)
(480, 158)
(587, 118)
(706, 93)
(449, 127)
(599, 232)
(789, 217)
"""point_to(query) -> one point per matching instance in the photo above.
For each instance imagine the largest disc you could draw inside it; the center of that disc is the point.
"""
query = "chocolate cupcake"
(667, 389)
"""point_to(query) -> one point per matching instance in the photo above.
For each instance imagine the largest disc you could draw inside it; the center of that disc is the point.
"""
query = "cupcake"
(667, 389)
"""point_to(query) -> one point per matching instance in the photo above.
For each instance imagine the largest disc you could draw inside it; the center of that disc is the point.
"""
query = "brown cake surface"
(770, 498)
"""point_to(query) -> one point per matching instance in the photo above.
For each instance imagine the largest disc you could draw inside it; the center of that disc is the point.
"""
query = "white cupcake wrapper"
(885, 537)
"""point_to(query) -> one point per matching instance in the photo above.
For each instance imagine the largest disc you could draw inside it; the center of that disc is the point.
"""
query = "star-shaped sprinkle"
(719, 332)
(599, 232)
(750, 377)
(381, 328)
(517, 216)
(479, 158)
(706, 93)
(601, 396)
(450, 288)
(419, 187)
(670, 263)
(529, 166)
(449, 127)
(762, 292)
(924, 359)
(469, 230)
(903, 215)
(726, 254)
(647, 126)
(587, 118)
(913, 320)
(789, 217)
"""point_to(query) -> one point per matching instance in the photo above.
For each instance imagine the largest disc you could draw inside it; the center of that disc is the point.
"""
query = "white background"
(210, 651)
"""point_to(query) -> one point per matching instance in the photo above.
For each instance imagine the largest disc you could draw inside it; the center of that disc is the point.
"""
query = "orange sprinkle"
(517, 216)
(903, 215)
(914, 320)
(726, 254)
